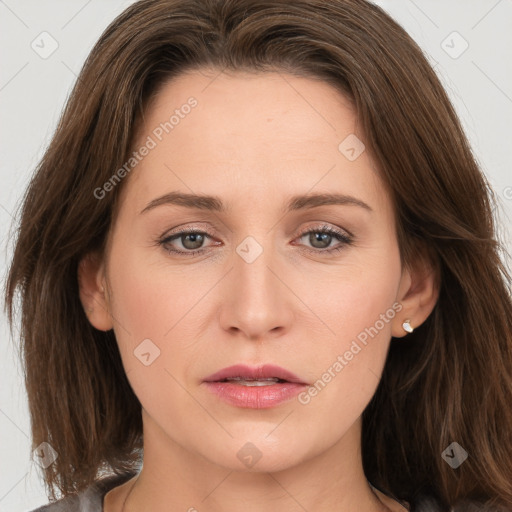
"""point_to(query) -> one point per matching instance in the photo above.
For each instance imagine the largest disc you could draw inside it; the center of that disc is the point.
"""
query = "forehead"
(252, 134)
(254, 107)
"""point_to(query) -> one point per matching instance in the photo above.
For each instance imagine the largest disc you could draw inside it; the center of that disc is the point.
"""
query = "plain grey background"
(44, 45)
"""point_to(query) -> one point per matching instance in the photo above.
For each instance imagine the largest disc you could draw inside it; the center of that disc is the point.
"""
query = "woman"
(258, 267)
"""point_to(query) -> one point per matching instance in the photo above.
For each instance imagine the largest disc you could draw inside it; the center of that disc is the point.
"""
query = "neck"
(176, 478)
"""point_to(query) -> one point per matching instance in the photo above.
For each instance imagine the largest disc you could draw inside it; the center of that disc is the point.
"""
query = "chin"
(257, 452)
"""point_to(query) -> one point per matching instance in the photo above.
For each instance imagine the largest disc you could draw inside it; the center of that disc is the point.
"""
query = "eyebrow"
(214, 203)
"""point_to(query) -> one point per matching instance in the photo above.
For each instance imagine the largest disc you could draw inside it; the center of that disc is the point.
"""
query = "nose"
(257, 303)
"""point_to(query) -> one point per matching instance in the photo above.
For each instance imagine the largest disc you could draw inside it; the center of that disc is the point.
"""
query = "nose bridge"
(257, 300)
(252, 265)
(253, 258)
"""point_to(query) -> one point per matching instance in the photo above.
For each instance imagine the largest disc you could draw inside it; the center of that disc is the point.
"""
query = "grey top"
(91, 500)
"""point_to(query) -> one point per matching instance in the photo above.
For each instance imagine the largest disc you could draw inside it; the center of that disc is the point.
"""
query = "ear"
(93, 291)
(418, 292)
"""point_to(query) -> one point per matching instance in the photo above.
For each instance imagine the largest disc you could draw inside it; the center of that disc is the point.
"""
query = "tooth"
(256, 382)
(271, 379)
(253, 382)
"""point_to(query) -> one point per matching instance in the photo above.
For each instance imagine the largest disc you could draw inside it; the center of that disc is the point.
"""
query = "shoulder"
(90, 500)
(427, 503)
(474, 506)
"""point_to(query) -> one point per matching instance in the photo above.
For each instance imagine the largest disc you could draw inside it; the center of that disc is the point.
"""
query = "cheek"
(356, 299)
(357, 308)
(346, 368)
(150, 299)
(150, 313)
(159, 313)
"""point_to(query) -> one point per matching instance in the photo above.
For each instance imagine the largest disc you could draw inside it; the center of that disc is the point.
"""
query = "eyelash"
(340, 236)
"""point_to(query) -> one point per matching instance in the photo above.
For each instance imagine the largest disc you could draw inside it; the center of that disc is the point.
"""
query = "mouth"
(265, 375)
(254, 387)
(254, 382)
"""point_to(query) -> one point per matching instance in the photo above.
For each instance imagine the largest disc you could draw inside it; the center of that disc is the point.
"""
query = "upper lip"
(254, 372)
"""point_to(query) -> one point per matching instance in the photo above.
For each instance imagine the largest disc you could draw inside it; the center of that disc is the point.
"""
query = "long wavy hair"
(450, 382)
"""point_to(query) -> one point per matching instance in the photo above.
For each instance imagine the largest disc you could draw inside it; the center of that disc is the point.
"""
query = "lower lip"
(255, 397)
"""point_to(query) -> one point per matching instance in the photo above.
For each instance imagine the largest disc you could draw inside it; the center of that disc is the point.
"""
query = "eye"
(321, 239)
(192, 241)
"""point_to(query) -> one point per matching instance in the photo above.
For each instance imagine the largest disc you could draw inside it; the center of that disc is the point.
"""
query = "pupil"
(320, 237)
(196, 239)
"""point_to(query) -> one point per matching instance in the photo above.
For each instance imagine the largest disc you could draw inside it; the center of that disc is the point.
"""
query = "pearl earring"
(407, 326)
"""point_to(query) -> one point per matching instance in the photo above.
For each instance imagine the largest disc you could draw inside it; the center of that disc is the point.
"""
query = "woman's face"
(265, 282)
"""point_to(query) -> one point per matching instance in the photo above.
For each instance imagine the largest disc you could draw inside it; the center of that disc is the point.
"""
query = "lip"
(255, 397)
(254, 372)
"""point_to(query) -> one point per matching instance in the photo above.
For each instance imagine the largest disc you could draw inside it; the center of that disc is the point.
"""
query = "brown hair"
(451, 380)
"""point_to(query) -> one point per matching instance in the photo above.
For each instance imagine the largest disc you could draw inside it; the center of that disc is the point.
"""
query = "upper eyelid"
(341, 234)
(186, 230)
(302, 232)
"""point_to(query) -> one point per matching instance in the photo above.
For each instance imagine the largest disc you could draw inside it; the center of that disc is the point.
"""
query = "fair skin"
(253, 140)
